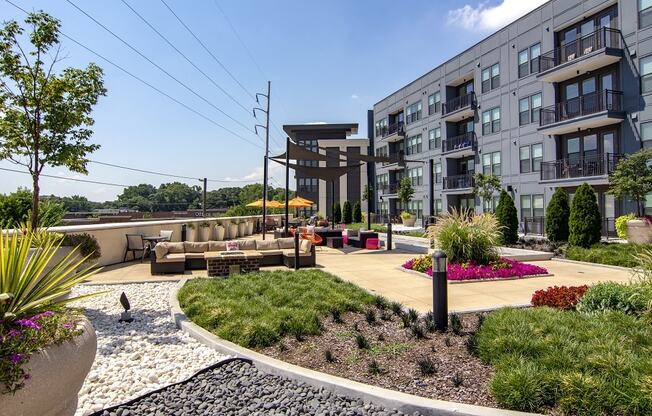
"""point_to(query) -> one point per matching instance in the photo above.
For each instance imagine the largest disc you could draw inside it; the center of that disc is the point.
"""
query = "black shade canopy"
(297, 152)
(326, 173)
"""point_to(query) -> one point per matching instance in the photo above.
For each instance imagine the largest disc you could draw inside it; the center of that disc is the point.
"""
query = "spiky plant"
(374, 368)
(457, 379)
(362, 342)
(397, 308)
(328, 355)
(413, 314)
(337, 316)
(370, 316)
(417, 331)
(456, 324)
(381, 302)
(427, 366)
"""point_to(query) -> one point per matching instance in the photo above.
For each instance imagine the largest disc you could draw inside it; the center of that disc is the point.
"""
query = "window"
(491, 121)
(526, 206)
(308, 185)
(416, 176)
(532, 206)
(434, 138)
(438, 207)
(312, 146)
(530, 158)
(383, 208)
(537, 157)
(491, 163)
(381, 128)
(382, 181)
(415, 208)
(434, 103)
(528, 60)
(437, 175)
(413, 145)
(490, 205)
(413, 113)
(524, 159)
(646, 74)
(491, 78)
(646, 134)
(644, 13)
(529, 109)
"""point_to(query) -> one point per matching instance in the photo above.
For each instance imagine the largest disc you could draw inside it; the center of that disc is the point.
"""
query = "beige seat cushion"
(194, 255)
(175, 247)
(172, 258)
(192, 247)
(290, 253)
(247, 245)
(271, 252)
(217, 246)
(266, 245)
(161, 250)
(285, 243)
(305, 246)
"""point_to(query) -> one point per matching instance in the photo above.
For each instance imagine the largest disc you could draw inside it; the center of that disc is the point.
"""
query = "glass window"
(434, 138)
(648, 204)
(535, 104)
(537, 206)
(526, 206)
(434, 103)
(438, 176)
(495, 76)
(523, 63)
(486, 122)
(646, 133)
(486, 79)
(413, 113)
(646, 74)
(495, 120)
(573, 146)
(535, 52)
(644, 13)
(524, 111)
(537, 157)
(495, 160)
(438, 207)
(524, 158)
(413, 145)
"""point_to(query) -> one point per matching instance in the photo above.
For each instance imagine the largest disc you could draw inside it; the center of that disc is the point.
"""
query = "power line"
(185, 57)
(187, 107)
(156, 65)
(67, 179)
(208, 50)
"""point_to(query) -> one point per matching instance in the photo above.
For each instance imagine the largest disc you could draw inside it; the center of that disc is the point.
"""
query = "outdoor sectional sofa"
(168, 257)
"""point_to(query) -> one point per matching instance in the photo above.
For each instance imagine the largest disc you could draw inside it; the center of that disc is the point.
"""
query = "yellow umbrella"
(270, 204)
(299, 203)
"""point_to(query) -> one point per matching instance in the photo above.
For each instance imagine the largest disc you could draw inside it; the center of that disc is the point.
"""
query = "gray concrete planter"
(639, 231)
(57, 374)
(406, 403)
(409, 222)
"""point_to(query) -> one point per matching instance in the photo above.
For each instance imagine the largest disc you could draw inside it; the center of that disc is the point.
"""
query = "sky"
(328, 61)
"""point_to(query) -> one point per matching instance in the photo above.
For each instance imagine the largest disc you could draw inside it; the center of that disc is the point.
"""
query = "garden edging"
(392, 399)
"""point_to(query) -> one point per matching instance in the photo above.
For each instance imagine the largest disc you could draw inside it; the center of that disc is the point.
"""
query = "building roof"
(329, 128)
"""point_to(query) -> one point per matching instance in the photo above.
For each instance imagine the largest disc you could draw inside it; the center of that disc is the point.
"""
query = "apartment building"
(552, 100)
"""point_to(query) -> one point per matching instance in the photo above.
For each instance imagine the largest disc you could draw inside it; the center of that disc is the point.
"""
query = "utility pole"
(203, 204)
(265, 158)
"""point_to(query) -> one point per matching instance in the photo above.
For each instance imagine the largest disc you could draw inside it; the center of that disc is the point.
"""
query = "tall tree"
(632, 178)
(45, 117)
(584, 223)
(507, 218)
(557, 216)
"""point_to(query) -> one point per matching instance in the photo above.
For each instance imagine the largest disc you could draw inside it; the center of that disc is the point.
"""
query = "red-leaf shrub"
(560, 297)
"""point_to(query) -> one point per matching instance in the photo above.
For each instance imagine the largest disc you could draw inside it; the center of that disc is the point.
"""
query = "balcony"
(460, 146)
(399, 158)
(459, 108)
(579, 167)
(597, 109)
(458, 182)
(588, 53)
(394, 132)
(388, 188)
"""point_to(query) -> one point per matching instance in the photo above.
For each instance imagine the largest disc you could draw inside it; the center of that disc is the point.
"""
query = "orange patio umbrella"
(299, 202)
(269, 204)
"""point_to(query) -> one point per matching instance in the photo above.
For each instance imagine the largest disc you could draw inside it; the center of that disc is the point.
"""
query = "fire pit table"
(226, 263)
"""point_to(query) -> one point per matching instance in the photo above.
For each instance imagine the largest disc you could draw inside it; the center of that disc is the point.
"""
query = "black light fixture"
(126, 315)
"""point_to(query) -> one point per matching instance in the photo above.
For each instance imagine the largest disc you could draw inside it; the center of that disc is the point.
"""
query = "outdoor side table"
(334, 242)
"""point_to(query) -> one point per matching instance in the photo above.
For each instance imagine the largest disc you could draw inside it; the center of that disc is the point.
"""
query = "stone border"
(458, 282)
(388, 398)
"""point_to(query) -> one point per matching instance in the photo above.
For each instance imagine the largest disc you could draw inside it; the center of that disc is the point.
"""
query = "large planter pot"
(639, 231)
(204, 233)
(191, 234)
(242, 229)
(233, 231)
(56, 376)
(219, 232)
(250, 227)
(409, 222)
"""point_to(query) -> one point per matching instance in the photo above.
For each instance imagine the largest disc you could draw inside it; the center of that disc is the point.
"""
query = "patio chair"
(166, 234)
(270, 224)
(135, 243)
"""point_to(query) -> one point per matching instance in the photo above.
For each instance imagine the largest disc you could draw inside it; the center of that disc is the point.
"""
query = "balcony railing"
(398, 157)
(395, 128)
(458, 103)
(464, 141)
(603, 37)
(579, 166)
(458, 181)
(393, 187)
(583, 105)
(537, 226)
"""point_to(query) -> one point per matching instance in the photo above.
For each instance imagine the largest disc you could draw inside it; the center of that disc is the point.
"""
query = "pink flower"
(28, 323)
(500, 269)
(13, 333)
(16, 358)
(67, 326)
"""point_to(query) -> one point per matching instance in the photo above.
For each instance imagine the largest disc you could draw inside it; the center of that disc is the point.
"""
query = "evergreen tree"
(557, 216)
(347, 213)
(584, 222)
(507, 218)
(357, 212)
(337, 213)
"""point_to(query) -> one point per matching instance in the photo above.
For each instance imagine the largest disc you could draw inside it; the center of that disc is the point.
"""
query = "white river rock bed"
(135, 358)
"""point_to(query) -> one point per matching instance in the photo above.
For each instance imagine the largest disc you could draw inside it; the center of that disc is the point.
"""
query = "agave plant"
(26, 288)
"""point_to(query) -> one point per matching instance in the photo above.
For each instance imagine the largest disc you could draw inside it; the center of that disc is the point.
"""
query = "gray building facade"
(552, 100)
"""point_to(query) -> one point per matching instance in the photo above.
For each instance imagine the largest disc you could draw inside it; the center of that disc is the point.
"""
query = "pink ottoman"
(372, 244)
(345, 239)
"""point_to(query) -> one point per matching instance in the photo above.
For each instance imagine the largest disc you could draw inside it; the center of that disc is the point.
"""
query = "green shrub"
(584, 224)
(621, 225)
(507, 218)
(337, 213)
(557, 215)
(347, 213)
(615, 254)
(466, 237)
(632, 299)
(357, 212)
(86, 243)
(564, 362)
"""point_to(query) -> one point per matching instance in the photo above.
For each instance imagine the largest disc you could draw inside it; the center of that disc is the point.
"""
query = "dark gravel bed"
(239, 388)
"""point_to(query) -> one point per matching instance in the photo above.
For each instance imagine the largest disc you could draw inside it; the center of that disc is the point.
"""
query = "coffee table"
(221, 263)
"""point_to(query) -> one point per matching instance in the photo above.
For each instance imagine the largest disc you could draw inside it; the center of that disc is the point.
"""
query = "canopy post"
(287, 185)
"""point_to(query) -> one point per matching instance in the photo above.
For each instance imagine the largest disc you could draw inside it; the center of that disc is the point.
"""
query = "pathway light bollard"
(440, 290)
(389, 235)
(296, 249)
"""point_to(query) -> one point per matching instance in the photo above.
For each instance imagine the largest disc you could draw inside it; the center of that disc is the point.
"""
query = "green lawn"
(573, 363)
(615, 254)
(257, 309)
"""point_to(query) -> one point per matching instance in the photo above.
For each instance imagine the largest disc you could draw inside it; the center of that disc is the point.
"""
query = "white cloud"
(257, 173)
(354, 97)
(484, 17)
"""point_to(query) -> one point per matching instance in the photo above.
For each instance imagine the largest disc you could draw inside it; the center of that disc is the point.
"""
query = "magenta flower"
(501, 269)
(16, 358)
(28, 323)
(13, 333)
(67, 326)
(42, 315)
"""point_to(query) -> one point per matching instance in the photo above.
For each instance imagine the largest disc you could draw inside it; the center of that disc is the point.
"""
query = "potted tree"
(191, 231)
(632, 177)
(242, 228)
(250, 226)
(204, 231)
(405, 194)
(233, 230)
(50, 348)
(219, 232)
